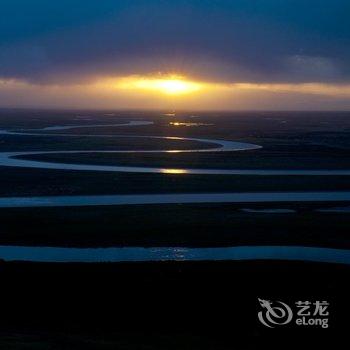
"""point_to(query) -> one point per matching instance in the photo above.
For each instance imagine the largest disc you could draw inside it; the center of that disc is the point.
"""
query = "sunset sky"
(193, 54)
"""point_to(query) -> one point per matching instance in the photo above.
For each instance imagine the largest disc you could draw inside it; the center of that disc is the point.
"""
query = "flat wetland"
(202, 225)
(178, 304)
(300, 140)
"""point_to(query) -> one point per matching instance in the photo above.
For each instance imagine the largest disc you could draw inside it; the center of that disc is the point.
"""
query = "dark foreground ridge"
(169, 305)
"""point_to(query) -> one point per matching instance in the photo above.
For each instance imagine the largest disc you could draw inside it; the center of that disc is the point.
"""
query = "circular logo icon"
(274, 313)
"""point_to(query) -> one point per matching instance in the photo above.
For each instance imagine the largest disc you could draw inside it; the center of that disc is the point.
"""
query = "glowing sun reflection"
(174, 171)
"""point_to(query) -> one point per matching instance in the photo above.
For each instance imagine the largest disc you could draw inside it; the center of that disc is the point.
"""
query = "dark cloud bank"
(230, 41)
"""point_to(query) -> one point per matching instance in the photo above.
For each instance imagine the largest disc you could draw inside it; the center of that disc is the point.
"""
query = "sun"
(173, 85)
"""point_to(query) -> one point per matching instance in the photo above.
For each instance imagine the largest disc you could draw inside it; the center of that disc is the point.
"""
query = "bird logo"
(274, 313)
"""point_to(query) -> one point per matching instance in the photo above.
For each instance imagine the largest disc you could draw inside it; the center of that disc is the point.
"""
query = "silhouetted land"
(171, 305)
(174, 225)
(175, 305)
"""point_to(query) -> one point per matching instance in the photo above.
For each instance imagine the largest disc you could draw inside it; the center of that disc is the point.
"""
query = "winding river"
(13, 159)
(51, 254)
(138, 254)
(173, 198)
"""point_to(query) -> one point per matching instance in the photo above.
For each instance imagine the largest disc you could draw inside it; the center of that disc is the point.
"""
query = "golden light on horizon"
(171, 85)
(170, 92)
